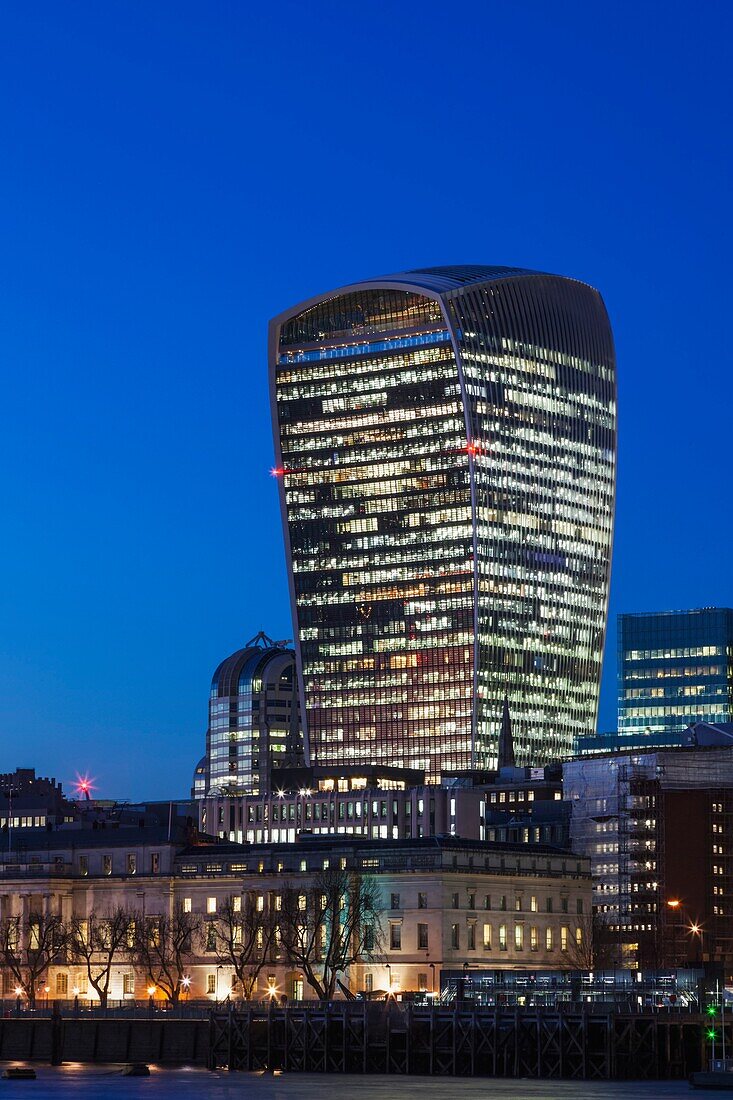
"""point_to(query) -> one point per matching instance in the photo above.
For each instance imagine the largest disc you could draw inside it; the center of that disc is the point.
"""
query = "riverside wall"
(56, 1040)
(356, 1037)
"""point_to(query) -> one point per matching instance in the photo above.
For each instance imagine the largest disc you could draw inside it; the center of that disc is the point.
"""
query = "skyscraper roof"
(453, 276)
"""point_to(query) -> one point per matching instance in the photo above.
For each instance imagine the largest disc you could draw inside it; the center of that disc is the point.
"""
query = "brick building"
(658, 829)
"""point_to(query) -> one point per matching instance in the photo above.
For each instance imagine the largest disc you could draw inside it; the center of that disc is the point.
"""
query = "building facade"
(254, 720)
(658, 829)
(445, 904)
(28, 801)
(517, 805)
(674, 668)
(445, 444)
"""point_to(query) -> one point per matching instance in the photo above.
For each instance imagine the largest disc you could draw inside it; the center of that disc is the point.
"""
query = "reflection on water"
(106, 1083)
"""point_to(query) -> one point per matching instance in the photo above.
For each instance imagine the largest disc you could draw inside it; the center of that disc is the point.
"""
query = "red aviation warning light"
(276, 471)
(83, 786)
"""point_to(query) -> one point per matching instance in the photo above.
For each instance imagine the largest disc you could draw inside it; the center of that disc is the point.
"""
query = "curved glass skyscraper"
(446, 444)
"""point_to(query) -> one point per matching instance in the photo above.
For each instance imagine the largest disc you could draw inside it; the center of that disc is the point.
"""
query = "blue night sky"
(173, 174)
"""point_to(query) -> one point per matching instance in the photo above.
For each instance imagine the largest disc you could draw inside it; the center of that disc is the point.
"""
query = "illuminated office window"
(446, 462)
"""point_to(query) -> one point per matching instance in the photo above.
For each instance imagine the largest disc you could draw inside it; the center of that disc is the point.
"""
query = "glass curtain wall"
(538, 362)
(378, 504)
(448, 473)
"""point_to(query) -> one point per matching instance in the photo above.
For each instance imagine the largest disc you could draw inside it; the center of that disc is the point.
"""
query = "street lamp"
(696, 930)
(674, 904)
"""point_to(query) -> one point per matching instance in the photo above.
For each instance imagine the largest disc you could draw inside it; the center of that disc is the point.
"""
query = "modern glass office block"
(674, 668)
(254, 721)
(445, 444)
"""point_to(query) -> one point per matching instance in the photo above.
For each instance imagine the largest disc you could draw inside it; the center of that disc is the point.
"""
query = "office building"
(445, 444)
(658, 828)
(28, 801)
(254, 721)
(674, 668)
(514, 805)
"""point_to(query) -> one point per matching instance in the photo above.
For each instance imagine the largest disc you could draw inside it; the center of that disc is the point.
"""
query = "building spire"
(261, 641)
(506, 743)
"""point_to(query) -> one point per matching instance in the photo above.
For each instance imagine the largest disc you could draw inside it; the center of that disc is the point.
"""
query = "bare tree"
(99, 942)
(163, 948)
(589, 944)
(29, 947)
(243, 936)
(330, 926)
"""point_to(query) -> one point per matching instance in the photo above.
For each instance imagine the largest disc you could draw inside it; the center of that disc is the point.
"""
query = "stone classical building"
(446, 903)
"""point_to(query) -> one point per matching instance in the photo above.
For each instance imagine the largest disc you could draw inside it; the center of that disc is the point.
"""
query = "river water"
(100, 1083)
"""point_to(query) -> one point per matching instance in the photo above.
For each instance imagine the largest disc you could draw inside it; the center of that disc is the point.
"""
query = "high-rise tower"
(254, 721)
(446, 444)
(674, 668)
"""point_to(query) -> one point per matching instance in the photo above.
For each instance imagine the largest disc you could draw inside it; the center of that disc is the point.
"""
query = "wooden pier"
(347, 1037)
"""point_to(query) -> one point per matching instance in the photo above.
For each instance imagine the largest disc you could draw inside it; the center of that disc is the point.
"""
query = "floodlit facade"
(674, 668)
(446, 444)
(444, 903)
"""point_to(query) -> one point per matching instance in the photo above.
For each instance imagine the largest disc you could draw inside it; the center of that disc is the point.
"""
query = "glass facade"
(446, 455)
(674, 668)
(254, 721)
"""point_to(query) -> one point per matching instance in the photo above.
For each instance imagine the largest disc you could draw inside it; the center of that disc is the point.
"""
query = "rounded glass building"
(254, 721)
(446, 451)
